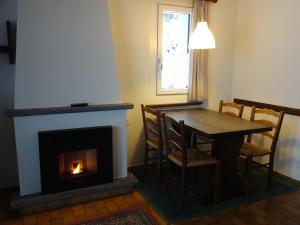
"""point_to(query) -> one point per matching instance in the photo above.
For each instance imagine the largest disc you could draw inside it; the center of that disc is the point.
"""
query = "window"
(173, 58)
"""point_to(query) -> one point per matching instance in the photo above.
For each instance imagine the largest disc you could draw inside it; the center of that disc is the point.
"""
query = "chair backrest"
(231, 108)
(175, 136)
(267, 117)
(152, 125)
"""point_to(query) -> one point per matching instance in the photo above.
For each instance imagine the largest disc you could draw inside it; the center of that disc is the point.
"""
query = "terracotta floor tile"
(30, 220)
(55, 215)
(101, 208)
(68, 217)
(5, 222)
(137, 196)
(153, 214)
(17, 222)
(43, 220)
(81, 218)
(90, 211)
(120, 202)
(78, 210)
(56, 222)
(130, 200)
(111, 206)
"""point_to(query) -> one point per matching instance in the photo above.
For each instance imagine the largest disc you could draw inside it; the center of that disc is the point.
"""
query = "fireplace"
(75, 158)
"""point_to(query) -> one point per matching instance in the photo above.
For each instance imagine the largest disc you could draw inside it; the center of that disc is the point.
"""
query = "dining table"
(227, 134)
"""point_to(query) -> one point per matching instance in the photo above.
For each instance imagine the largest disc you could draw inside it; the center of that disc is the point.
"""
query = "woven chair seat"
(249, 149)
(195, 158)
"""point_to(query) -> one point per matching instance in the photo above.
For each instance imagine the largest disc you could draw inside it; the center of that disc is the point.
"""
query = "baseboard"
(132, 168)
(286, 177)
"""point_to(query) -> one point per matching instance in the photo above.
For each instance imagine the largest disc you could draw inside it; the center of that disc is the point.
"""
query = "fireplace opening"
(75, 158)
(78, 163)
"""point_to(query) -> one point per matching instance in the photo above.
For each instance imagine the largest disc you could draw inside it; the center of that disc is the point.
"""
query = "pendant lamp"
(202, 37)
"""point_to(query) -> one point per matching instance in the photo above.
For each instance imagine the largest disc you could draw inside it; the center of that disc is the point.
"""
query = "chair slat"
(266, 122)
(151, 122)
(174, 144)
(152, 131)
(232, 105)
(267, 134)
(174, 139)
(267, 112)
(230, 114)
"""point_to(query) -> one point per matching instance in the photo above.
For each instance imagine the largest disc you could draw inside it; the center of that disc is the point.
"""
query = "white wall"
(267, 67)
(65, 54)
(134, 28)
(8, 11)
(222, 22)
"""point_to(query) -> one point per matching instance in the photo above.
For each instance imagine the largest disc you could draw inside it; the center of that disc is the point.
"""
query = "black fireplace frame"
(53, 142)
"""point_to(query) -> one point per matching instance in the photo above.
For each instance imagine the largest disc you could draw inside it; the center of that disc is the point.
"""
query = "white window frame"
(161, 9)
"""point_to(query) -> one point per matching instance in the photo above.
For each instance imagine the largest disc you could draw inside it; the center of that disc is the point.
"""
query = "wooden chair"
(251, 150)
(231, 109)
(153, 136)
(186, 158)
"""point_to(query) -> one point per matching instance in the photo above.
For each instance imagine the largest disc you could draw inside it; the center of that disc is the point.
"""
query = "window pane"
(175, 54)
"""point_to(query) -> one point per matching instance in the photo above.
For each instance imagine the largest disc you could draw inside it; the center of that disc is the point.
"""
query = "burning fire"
(76, 168)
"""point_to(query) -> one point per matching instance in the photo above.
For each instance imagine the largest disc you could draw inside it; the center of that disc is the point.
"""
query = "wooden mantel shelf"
(65, 109)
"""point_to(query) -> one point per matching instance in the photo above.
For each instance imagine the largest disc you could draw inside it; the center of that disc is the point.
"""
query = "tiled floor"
(86, 212)
(281, 210)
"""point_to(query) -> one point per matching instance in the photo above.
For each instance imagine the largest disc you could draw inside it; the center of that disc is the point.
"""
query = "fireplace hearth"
(75, 158)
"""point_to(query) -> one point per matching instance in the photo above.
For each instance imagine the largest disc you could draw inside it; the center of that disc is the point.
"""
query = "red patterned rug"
(133, 217)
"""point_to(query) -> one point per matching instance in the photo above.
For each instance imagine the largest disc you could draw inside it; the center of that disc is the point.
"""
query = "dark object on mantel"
(66, 109)
(10, 49)
(83, 104)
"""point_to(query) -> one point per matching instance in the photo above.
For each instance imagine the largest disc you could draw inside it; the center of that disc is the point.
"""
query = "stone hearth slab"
(39, 202)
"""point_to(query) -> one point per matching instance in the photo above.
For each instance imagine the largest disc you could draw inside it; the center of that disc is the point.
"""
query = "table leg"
(226, 148)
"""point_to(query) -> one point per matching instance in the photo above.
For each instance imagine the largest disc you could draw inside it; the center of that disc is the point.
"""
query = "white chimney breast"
(64, 54)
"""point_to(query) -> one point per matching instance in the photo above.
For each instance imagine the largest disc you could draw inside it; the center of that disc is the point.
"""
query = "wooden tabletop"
(211, 124)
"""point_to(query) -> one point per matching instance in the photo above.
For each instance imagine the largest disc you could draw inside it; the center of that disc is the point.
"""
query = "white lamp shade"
(202, 37)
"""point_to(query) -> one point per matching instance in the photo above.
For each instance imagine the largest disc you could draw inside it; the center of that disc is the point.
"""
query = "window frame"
(160, 9)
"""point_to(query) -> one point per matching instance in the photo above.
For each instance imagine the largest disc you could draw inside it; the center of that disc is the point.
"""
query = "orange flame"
(76, 168)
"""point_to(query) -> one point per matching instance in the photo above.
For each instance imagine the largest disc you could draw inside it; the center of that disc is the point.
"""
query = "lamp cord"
(202, 10)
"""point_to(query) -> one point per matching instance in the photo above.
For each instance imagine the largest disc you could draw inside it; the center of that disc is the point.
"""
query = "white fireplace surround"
(64, 55)
(26, 132)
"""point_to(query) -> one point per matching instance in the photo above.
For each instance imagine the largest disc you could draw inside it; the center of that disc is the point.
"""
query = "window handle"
(160, 63)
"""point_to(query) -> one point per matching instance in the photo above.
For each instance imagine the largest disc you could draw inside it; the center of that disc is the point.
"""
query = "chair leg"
(270, 175)
(160, 165)
(146, 159)
(168, 173)
(217, 182)
(193, 140)
(248, 175)
(183, 183)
